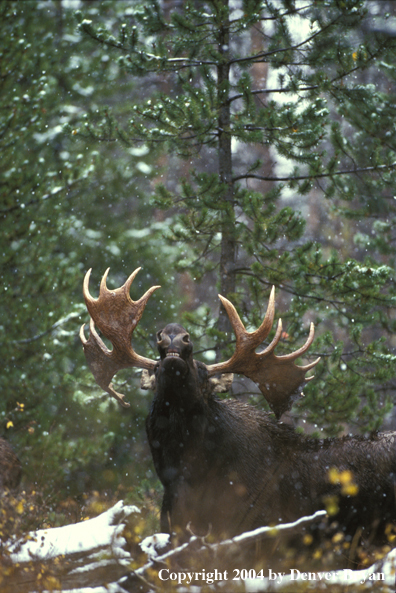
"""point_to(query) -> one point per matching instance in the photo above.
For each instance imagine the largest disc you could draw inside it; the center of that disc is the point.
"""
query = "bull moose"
(227, 467)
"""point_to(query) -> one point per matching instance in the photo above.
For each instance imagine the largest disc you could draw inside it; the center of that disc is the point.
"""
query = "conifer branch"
(53, 193)
(313, 297)
(269, 91)
(342, 75)
(265, 54)
(44, 333)
(292, 12)
(315, 175)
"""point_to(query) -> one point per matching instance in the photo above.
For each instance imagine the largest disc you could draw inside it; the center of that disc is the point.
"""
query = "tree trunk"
(228, 241)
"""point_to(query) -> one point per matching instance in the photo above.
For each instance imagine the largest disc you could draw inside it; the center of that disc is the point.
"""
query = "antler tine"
(274, 342)
(82, 335)
(131, 278)
(262, 332)
(304, 348)
(116, 315)
(87, 296)
(235, 320)
(103, 283)
(141, 303)
(125, 288)
(301, 351)
(293, 355)
(308, 367)
(259, 334)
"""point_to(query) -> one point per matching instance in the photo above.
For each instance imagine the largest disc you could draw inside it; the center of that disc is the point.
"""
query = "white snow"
(154, 545)
(102, 531)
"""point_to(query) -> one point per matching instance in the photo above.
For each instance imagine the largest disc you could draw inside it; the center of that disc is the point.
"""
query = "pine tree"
(64, 208)
(326, 115)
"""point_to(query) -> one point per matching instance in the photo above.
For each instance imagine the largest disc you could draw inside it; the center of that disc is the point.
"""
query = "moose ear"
(147, 380)
(221, 384)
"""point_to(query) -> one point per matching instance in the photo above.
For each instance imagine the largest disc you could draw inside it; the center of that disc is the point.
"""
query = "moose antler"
(277, 376)
(116, 315)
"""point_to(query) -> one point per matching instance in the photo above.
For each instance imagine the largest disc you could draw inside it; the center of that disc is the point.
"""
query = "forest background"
(224, 147)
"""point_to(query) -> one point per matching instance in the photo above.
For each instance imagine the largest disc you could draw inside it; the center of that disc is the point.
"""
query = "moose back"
(227, 467)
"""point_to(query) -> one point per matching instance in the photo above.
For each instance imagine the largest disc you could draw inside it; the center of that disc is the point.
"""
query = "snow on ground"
(381, 574)
(101, 542)
(100, 532)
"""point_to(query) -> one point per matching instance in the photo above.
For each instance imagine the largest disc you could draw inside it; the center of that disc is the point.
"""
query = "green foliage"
(65, 208)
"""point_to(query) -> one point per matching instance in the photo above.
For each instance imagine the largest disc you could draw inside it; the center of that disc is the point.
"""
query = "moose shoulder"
(227, 467)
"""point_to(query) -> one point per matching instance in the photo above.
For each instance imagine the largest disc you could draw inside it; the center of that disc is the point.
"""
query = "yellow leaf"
(337, 537)
(350, 489)
(346, 477)
(334, 476)
(10, 424)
